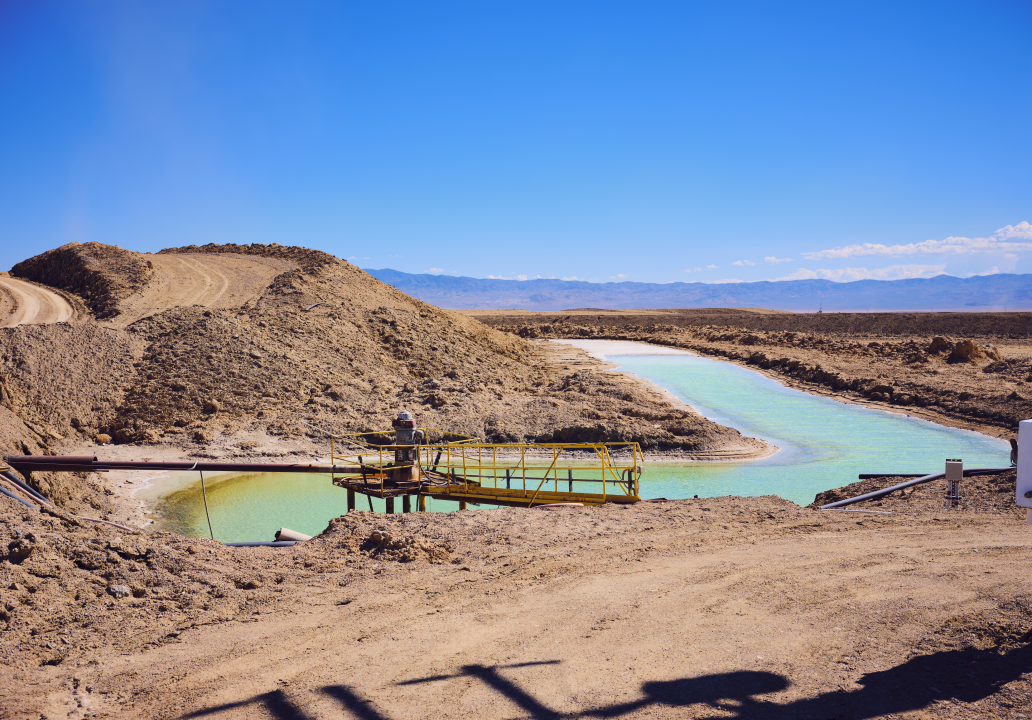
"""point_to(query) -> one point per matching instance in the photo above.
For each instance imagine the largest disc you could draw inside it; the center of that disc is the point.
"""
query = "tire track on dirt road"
(25, 303)
(216, 281)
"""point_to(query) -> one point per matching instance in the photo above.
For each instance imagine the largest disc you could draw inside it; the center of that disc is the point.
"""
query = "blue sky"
(647, 141)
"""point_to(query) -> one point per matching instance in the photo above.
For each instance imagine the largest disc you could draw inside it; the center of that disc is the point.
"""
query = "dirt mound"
(102, 275)
(333, 349)
(65, 379)
(71, 586)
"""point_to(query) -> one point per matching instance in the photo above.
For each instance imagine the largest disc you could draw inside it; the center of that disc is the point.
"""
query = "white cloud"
(572, 277)
(618, 276)
(435, 270)
(1012, 238)
(521, 277)
(775, 260)
(728, 280)
(992, 271)
(711, 267)
(740, 263)
(893, 272)
(497, 277)
(352, 258)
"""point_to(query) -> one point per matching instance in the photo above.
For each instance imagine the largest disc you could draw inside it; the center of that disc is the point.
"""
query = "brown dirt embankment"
(259, 351)
(101, 275)
(1012, 325)
(983, 384)
(744, 607)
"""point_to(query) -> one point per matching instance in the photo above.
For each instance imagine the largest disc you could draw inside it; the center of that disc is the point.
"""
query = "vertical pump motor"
(405, 433)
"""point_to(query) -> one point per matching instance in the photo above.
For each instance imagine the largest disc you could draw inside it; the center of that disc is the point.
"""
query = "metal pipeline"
(916, 481)
(25, 486)
(15, 497)
(72, 463)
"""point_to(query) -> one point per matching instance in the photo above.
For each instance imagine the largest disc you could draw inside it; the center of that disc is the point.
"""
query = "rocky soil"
(722, 607)
(981, 380)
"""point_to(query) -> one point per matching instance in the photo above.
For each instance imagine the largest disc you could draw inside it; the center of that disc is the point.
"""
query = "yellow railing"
(473, 465)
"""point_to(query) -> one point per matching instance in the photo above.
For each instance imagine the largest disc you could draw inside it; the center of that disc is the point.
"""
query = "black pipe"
(24, 486)
(908, 483)
(875, 476)
(263, 543)
(15, 497)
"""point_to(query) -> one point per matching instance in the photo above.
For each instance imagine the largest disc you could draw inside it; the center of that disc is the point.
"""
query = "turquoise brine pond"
(823, 444)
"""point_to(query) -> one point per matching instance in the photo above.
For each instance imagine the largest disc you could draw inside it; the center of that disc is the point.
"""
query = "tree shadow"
(967, 675)
(275, 702)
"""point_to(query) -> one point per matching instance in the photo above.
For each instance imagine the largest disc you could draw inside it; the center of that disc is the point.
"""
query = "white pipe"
(288, 534)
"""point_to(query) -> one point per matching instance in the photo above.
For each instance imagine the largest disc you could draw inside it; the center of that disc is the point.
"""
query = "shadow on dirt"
(966, 675)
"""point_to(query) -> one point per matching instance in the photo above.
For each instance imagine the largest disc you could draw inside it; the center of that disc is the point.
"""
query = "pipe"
(288, 534)
(19, 492)
(69, 463)
(15, 497)
(25, 486)
(908, 483)
(263, 543)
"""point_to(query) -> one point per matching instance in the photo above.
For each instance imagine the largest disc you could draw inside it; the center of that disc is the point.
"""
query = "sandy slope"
(25, 303)
(216, 281)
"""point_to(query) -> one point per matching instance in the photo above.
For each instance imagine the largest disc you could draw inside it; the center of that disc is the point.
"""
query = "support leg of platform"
(462, 504)
(406, 504)
(421, 503)
(390, 505)
(351, 500)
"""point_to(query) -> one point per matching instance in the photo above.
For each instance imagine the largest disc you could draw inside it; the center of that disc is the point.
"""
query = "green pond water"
(823, 444)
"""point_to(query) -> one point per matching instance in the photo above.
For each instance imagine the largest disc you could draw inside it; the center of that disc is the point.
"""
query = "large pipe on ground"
(916, 481)
(73, 463)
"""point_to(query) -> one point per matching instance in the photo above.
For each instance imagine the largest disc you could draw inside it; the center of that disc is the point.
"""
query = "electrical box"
(1024, 494)
(955, 470)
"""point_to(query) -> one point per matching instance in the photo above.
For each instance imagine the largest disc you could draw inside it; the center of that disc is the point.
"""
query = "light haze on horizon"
(654, 142)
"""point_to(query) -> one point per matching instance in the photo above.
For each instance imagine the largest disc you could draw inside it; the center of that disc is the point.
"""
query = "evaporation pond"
(824, 444)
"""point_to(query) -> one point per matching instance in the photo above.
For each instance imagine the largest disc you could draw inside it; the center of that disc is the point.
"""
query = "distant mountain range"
(943, 292)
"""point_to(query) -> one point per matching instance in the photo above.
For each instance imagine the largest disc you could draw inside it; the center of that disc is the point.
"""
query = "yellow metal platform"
(466, 470)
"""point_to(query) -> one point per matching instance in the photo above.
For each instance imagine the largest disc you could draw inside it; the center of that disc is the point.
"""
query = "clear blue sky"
(557, 139)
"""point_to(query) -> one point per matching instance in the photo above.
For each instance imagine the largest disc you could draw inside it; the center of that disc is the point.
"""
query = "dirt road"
(25, 303)
(724, 607)
(216, 281)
